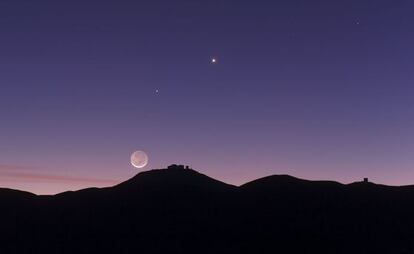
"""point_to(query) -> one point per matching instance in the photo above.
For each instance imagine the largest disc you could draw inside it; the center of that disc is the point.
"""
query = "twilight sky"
(317, 89)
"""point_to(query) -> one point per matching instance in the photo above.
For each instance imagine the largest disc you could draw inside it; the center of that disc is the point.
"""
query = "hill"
(179, 210)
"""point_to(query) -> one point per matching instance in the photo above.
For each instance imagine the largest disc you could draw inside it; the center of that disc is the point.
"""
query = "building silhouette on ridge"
(175, 166)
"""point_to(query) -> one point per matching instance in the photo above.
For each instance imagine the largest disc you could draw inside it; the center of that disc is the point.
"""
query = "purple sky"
(316, 89)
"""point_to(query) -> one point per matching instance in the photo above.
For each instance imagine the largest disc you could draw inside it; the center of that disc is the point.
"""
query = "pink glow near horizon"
(25, 178)
(41, 181)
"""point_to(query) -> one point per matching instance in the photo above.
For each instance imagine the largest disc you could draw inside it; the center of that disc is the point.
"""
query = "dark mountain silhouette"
(179, 210)
(172, 179)
(14, 195)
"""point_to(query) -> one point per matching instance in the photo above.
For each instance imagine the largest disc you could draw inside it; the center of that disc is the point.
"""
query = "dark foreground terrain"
(181, 211)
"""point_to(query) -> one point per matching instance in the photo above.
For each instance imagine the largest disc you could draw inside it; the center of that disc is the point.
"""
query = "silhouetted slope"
(14, 195)
(171, 179)
(182, 211)
(11, 200)
(288, 183)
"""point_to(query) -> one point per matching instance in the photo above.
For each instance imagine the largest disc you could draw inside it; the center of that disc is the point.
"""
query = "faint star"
(213, 60)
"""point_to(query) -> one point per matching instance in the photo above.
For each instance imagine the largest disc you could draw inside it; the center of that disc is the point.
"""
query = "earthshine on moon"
(139, 159)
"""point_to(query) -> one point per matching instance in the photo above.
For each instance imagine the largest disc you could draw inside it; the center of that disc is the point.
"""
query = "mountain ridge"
(179, 210)
(165, 176)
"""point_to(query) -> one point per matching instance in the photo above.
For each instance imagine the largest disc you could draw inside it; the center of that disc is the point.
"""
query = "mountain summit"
(173, 178)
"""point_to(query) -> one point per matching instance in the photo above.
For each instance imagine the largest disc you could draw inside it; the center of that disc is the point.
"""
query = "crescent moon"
(139, 159)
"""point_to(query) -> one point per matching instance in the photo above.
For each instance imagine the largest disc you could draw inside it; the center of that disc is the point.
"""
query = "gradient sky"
(315, 89)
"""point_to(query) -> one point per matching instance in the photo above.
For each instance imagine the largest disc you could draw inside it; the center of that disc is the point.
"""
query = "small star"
(357, 22)
(213, 60)
(157, 91)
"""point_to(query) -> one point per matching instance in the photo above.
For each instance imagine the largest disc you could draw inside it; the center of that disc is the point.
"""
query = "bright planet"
(139, 159)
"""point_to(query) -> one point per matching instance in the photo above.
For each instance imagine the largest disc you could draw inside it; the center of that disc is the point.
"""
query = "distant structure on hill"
(365, 180)
(175, 166)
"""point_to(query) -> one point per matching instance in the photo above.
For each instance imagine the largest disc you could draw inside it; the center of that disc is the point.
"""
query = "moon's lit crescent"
(139, 159)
